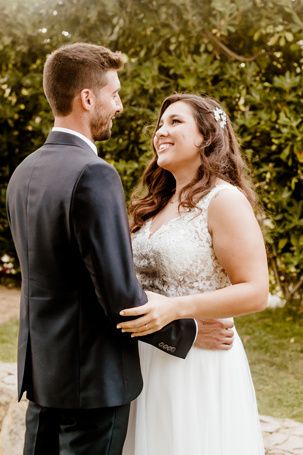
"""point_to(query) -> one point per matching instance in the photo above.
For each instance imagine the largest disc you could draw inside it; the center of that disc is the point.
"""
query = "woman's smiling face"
(177, 139)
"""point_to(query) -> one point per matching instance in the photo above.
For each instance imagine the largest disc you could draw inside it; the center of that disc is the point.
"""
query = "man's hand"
(213, 334)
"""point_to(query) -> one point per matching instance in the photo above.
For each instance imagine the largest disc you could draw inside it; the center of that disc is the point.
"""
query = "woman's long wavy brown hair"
(220, 158)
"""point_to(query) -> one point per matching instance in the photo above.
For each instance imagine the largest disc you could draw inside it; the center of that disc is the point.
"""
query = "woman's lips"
(164, 146)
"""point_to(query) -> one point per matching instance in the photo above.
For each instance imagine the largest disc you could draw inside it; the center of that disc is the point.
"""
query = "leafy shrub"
(246, 53)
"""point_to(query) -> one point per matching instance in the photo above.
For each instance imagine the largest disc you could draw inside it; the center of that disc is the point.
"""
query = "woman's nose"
(162, 131)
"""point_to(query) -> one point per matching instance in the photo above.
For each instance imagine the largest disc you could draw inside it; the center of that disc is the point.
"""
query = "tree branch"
(281, 286)
(296, 288)
(230, 52)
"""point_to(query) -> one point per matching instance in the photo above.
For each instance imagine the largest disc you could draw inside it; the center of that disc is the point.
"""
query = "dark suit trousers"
(51, 431)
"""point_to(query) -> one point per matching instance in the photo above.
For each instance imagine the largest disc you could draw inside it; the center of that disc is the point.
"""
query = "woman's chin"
(163, 163)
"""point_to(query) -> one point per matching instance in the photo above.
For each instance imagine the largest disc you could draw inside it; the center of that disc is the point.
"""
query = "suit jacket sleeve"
(100, 226)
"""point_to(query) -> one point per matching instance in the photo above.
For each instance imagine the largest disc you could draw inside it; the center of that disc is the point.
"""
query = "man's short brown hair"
(73, 67)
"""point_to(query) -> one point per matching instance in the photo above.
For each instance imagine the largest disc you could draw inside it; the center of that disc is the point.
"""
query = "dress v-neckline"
(150, 221)
(165, 223)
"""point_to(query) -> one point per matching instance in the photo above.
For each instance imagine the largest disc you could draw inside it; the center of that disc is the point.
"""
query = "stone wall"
(11, 413)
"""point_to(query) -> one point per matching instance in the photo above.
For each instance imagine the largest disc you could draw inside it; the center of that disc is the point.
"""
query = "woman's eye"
(175, 121)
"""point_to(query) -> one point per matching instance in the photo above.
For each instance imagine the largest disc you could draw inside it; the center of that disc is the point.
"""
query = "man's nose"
(119, 106)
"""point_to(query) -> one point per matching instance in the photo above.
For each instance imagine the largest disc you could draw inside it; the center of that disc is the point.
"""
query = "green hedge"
(246, 53)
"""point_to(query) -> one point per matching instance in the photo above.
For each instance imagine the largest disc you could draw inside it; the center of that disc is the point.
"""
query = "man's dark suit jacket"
(68, 220)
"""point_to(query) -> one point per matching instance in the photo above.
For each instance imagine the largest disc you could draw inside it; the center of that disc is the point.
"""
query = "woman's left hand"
(155, 314)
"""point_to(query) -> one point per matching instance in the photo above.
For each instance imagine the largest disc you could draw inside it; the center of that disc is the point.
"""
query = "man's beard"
(103, 134)
(101, 126)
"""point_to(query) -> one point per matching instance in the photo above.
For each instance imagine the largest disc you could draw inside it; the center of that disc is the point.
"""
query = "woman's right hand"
(151, 317)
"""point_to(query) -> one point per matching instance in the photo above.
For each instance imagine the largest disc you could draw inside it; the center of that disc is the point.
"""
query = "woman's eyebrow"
(172, 116)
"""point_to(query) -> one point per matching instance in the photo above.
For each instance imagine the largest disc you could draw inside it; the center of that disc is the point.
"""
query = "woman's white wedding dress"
(205, 404)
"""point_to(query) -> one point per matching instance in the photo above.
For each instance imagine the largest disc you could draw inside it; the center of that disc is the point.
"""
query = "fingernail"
(118, 326)
(122, 330)
(122, 312)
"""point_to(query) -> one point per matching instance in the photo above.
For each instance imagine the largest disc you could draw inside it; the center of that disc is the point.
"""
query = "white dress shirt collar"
(76, 133)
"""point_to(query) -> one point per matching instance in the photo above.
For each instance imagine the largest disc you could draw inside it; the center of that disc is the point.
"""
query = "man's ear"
(87, 99)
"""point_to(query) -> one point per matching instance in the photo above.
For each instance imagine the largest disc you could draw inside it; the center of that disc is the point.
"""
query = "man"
(69, 225)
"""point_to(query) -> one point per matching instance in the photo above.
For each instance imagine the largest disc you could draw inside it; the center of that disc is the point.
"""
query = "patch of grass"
(8, 341)
(274, 345)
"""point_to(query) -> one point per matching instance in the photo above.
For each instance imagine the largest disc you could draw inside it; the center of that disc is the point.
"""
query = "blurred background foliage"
(246, 53)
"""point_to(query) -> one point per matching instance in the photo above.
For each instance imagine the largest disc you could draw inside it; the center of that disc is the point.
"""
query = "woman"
(197, 243)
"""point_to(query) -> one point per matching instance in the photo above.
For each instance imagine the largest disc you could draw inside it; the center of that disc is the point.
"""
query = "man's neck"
(70, 123)
(78, 134)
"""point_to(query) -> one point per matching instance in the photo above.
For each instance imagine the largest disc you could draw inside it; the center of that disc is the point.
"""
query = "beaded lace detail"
(178, 258)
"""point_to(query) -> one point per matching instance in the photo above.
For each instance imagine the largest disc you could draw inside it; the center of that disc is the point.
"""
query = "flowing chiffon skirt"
(203, 405)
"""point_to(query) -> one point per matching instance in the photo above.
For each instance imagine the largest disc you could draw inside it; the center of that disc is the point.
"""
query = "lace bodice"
(178, 258)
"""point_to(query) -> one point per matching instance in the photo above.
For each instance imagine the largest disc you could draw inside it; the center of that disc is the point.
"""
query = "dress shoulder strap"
(205, 201)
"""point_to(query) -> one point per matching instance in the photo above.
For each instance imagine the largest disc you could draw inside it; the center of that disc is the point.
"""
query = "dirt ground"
(9, 304)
